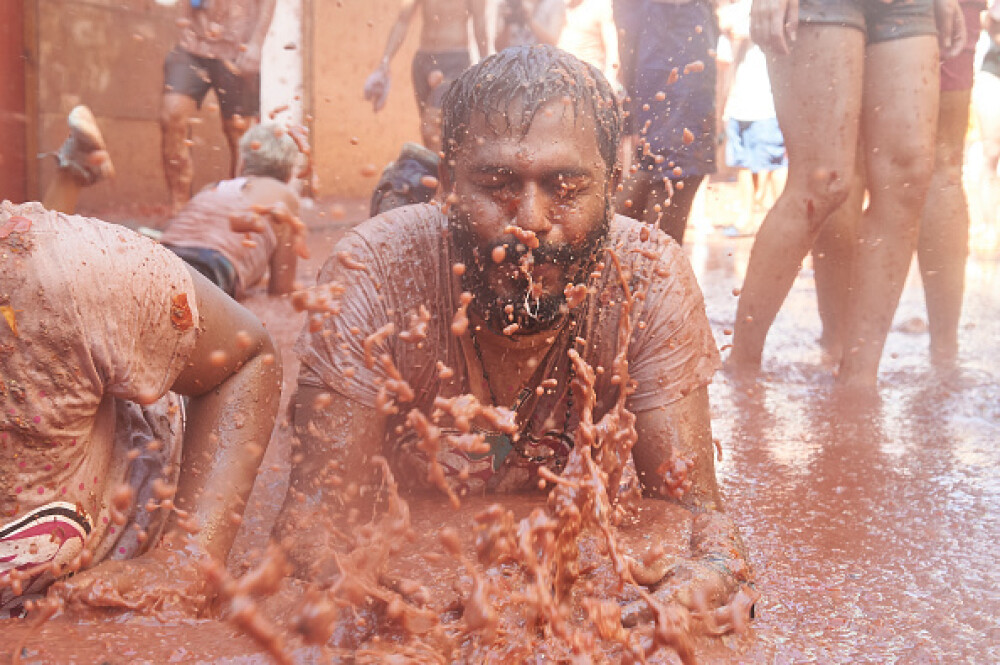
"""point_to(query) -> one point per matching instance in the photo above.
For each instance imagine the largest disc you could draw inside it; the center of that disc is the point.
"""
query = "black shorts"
(212, 264)
(192, 75)
(450, 63)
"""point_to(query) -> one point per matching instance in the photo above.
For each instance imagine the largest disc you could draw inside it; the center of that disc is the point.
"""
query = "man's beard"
(531, 310)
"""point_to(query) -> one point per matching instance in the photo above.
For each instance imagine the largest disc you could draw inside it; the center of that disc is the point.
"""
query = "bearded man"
(496, 294)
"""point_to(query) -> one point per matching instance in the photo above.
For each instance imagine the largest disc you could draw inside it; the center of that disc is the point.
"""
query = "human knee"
(909, 175)
(823, 190)
(174, 113)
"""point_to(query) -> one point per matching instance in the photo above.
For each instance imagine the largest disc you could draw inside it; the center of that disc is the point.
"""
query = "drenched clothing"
(194, 76)
(404, 181)
(957, 72)
(96, 321)
(880, 20)
(204, 224)
(451, 64)
(669, 72)
(406, 259)
(212, 264)
(219, 27)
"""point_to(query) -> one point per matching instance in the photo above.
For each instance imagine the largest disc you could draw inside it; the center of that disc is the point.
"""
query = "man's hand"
(773, 24)
(162, 580)
(248, 61)
(377, 88)
(704, 587)
(951, 27)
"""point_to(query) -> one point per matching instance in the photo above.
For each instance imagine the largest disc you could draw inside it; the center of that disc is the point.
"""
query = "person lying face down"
(508, 299)
(104, 470)
(234, 231)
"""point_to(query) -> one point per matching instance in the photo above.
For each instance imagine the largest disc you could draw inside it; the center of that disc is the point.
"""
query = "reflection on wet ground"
(871, 521)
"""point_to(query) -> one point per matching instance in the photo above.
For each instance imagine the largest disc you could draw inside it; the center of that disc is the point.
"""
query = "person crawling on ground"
(491, 296)
(234, 232)
(136, 402)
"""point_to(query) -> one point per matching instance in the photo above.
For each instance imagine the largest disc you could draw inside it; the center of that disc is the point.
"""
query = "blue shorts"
(670, 77)
(756, 145)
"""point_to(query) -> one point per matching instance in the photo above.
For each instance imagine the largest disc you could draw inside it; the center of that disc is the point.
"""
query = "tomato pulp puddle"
(871, 524)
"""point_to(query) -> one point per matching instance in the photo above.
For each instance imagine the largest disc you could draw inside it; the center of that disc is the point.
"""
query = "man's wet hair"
(267, 150)
(530, 76)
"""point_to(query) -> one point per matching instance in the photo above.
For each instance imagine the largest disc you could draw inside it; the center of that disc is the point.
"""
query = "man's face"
(508, 191)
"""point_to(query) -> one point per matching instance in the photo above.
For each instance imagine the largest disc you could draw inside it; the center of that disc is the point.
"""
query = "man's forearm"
(226, 434)
(716, 541)
(396, 37)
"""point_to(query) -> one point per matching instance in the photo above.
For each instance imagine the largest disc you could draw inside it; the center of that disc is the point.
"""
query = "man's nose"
(533, 210)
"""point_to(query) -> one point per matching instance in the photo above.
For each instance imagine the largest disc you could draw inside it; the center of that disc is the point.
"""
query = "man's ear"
(614, 179)
(445, 172)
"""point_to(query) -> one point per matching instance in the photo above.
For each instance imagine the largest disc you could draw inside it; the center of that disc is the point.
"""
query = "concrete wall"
(109, 54)
(347, 38)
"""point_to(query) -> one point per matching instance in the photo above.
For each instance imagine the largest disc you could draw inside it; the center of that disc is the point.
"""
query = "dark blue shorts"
(212, 264)
(755, 144)
(675, 117)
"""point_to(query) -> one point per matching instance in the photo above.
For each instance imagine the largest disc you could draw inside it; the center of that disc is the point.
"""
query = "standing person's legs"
(817, 93)
(633, 194)
(674, 209)
(239, 104)
(185, 84)
(986, 92)
(833, 262)
(899, 121)
(175, 113)
(943, 246)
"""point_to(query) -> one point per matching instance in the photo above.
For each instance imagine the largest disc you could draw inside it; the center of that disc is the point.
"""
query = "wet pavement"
(871, 522)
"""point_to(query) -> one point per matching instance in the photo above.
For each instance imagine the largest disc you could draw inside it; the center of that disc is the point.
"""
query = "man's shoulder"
(411, 235)
(635, 237)
(403, 226)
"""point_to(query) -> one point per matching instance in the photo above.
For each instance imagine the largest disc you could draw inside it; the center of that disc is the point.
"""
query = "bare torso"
(445, 25)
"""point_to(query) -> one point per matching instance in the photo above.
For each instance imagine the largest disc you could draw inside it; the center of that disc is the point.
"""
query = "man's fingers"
(792, 21)
(636, 612)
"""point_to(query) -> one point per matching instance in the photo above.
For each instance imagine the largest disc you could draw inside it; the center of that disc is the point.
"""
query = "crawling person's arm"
(233, 379)
(291, 236)
(335, 438)
(674, 456)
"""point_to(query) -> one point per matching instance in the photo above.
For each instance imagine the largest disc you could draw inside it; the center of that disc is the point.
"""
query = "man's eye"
(495, 183)
(566, 189)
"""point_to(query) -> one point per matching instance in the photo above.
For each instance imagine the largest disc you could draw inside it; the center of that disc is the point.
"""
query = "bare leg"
(671, 211)
(899, 121)
(62, 193)
(833, 263)
(746, 184)
(175, 113)
(632, 200)
(430, 128)
(83, 160)
(817, 93)
(234, 128)
(943, 246)
(987, 99)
